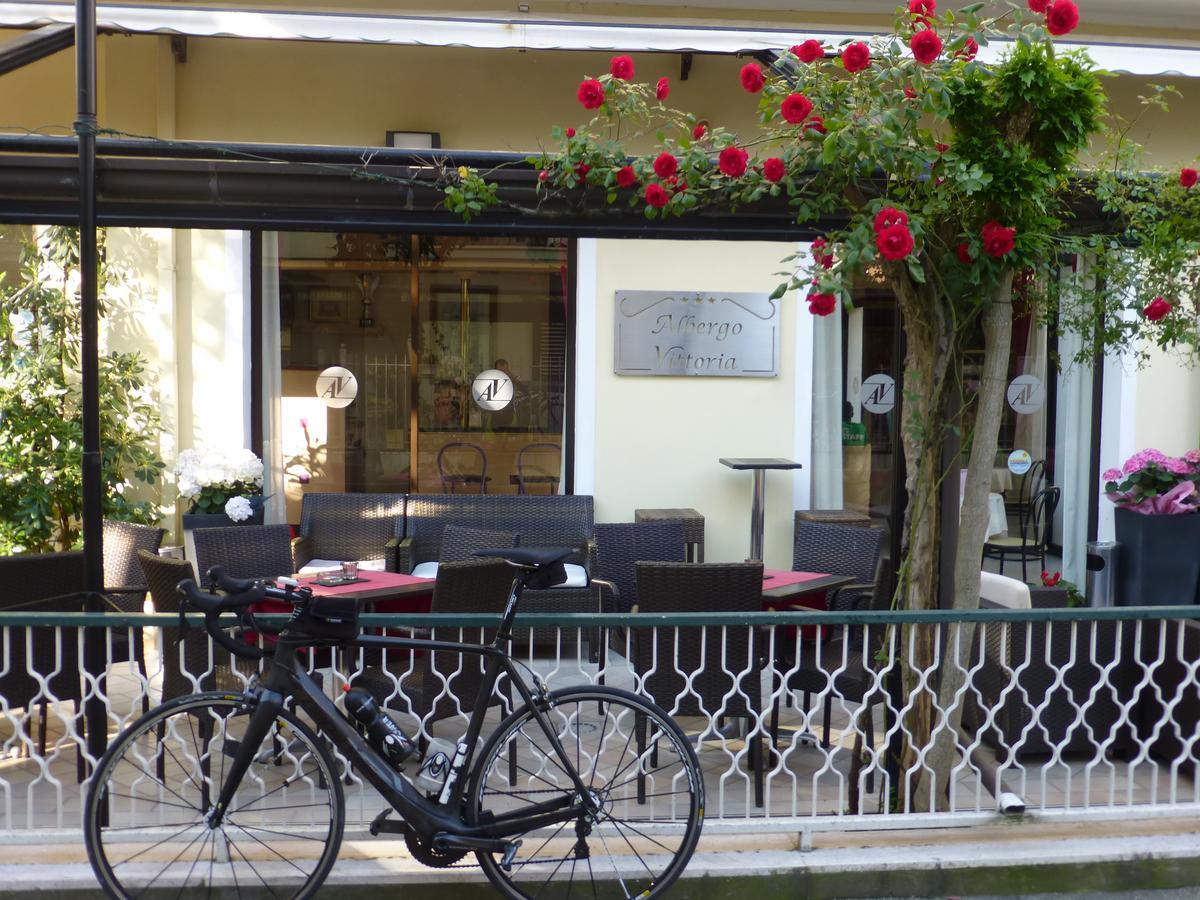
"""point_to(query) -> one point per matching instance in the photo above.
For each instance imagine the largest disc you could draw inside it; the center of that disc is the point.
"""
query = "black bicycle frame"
(288, 677)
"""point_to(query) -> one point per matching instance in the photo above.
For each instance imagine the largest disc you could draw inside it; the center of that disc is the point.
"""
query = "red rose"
(856, 57)
(795, 108)
(810, 51)
(817, 124)
(922, 7)
(895, 242)
(581, 171)
(1157, 309)
(818, 249)
(570, 132)
(821, 304)
(998, 241)
(1038, 6)
(732, 161)
(1062, 17)
(752, 78)
(591, 94)
(656, 196)
(543, 176)
(662, 90)
(626, 177)
(774, 169)
(698, 132)
(889, 216)
(666, 165)
(926, 46)
(677, 186)
(622, 67)
(969, 50)
(965, 256)
(1188, 177)
(941, 147)
(910, 94)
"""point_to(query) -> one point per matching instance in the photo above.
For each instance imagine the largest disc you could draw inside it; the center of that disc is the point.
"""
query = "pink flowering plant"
(1155, 484)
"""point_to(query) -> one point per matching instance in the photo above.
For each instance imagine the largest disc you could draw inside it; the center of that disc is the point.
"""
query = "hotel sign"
(696, 333)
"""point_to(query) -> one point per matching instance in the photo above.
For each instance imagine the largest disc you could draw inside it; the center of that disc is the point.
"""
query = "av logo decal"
(879, 394)
(1026, 394)
(492, 390)
(337, 387)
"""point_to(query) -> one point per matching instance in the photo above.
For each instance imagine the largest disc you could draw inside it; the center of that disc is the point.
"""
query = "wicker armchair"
(1020, 667)
(727, 662)
(52, 582)
(360, 527)
(124, 585)
(244, 551)
(621, 544)
(538, 520)
(841, 550)
(449, 686)
(186, 661)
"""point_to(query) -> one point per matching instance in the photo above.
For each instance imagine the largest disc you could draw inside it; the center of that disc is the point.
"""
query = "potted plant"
(220, 487)
(1157, 528)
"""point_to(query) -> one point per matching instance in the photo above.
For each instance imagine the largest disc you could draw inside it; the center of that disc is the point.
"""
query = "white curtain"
(1073, 455)
(827, 412)
(272, 387)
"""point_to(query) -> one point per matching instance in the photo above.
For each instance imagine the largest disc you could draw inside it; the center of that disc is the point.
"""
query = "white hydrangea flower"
(239, 509)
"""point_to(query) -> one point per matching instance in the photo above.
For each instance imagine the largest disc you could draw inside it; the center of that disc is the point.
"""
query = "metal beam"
(34, 45)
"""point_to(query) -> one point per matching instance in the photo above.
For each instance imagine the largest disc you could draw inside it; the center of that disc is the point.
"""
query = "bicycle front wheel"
(638, 766)
(146, 818)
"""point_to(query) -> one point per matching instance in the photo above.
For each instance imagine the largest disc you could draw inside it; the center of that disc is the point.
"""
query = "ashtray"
(336, 580)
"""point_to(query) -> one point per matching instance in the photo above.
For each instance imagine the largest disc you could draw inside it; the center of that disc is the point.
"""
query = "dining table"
(381, 591)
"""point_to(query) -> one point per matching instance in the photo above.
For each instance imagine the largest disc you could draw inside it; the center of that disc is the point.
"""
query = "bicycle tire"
(156, 769)
(612, 716)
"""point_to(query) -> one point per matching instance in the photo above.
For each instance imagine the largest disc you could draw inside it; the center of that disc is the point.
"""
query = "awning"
(517, 33)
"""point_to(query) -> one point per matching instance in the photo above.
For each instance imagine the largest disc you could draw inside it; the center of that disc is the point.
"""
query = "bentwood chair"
(455, 467)
(1030, 544)
(726, 663)
(538, 464)
(1032, 482)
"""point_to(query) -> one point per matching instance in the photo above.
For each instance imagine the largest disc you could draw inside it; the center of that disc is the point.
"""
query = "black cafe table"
(758, 501)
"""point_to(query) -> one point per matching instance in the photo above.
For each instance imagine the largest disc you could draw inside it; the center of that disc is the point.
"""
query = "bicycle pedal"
(383, 825)
(510, 853)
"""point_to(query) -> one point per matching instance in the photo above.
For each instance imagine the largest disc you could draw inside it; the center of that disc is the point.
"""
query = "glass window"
(414, 320)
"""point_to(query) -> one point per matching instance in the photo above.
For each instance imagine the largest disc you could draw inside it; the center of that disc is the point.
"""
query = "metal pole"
(89, 363)
(757, 514)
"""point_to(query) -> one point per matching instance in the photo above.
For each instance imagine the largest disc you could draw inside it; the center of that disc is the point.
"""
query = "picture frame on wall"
(327, 304)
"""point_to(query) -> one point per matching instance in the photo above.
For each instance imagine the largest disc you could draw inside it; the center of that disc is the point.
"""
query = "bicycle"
(588, 789)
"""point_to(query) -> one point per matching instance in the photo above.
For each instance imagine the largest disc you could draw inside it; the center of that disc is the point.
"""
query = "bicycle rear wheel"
(145, 820)
(637, 763)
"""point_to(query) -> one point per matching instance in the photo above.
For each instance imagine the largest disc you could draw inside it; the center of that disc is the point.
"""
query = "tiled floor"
(802, 780)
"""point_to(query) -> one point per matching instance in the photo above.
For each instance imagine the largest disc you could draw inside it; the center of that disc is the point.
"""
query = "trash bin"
(1101, 586)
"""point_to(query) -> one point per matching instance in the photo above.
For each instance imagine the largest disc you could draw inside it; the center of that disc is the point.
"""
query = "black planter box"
(1158, 561)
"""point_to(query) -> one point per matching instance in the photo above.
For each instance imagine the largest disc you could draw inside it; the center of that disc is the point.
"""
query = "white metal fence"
(801, 720)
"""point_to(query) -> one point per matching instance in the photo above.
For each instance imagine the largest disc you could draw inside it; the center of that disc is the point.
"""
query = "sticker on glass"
(879, 394)
(337, 387)
(492, 390)
(1019, 462)
(1026, 394)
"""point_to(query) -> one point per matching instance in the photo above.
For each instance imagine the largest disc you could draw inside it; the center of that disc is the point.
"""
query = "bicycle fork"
(267, 707)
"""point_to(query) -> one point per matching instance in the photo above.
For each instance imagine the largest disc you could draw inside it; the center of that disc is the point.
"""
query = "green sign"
(854, 434)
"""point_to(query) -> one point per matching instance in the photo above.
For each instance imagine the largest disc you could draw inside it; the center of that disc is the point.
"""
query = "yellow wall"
(1168, 405)
(658, 439)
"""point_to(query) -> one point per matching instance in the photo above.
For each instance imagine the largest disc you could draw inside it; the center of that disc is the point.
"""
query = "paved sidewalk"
(1112, 861)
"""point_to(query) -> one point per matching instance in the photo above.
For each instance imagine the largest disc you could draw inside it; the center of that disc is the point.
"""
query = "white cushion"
(317, 566)
(1004, 591)
(576, 575)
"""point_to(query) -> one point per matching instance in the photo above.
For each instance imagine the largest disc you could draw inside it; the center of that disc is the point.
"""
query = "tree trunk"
(956, 660)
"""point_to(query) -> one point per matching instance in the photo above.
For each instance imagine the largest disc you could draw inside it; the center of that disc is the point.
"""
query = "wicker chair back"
(244, 551)
(840, 550)
(349, 526)
(122, 541)
(619, 545)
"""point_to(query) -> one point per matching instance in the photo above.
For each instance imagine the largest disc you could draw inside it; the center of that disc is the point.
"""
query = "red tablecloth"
(775, 578)
(367, 581)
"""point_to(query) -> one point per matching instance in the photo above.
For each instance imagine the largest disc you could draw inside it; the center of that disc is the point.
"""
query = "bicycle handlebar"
(240, 594)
